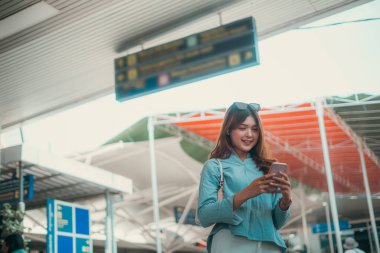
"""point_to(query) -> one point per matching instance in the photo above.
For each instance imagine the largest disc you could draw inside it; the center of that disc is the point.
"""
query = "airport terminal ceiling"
(67, 59)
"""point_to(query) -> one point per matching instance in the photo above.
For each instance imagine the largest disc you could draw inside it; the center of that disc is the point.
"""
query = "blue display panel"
(64, 218)
(65, 244)
(82, 227)
(68, 228)
(323, 227)
(83, 245)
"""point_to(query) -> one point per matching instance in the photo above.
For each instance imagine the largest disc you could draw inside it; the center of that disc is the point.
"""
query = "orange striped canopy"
(293, 134)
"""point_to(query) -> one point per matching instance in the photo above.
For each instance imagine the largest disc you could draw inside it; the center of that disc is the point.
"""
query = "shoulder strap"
(221, 181)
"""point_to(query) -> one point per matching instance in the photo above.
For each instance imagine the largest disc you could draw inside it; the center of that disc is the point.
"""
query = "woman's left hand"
(282, 182)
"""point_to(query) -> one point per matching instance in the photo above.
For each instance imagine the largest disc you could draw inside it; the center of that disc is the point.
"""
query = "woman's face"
(244, 137)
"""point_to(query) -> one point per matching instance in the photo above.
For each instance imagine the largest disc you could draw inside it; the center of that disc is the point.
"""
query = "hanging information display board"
(9, 189)
(220, 50)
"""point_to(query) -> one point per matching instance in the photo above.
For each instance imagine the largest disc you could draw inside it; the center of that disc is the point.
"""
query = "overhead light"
(26, 18)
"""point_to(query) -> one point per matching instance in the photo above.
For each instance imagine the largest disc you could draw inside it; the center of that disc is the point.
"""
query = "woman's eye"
(242, 128)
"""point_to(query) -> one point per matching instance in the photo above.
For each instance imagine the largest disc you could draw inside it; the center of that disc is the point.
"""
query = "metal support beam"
(35, 221)
(348, 130)
(369, 199)
(184, 215)
(304, 222)
(329, 230)
(369, 236)
(154, 184)
(167, 201)
(21, 204)
(345, 102)
(306, 159)
(145, 230)
(173, 129)
(111, 245)
(329, 175)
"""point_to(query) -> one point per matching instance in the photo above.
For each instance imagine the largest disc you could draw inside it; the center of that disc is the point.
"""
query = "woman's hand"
(258, 186)
(282, 182)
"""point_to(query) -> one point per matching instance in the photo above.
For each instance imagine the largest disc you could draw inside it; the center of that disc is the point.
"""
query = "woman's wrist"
(239, 198)
(285, 203)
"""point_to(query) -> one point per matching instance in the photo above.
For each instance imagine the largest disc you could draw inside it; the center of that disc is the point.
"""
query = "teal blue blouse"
(19, 251)
(256, 219)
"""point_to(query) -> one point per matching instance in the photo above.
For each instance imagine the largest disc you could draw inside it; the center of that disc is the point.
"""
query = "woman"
(13, 243)
(247, 219)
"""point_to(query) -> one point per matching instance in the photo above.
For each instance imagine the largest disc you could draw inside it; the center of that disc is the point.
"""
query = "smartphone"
(276, 167)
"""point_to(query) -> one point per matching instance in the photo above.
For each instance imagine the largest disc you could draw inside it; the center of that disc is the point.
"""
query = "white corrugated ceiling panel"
(68, 59)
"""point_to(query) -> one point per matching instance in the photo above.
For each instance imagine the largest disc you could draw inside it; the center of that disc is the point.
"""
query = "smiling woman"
(244, 137)
(249, 216)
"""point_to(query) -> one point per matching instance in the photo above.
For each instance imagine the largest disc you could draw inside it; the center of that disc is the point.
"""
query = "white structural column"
(369, 199)
(153, 173)
(304, 222)
(21, 203)
(111, 246)
(329, 230)
(330, 182)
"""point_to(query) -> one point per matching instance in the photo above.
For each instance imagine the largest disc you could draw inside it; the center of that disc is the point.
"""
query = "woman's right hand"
(255, 188)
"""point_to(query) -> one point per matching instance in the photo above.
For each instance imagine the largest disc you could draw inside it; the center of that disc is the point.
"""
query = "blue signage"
(65, 244)
(323, 228)
(9, 189)
(68, 228)
(83, 245)
(82, 227)
(64, 218)
(213, 52)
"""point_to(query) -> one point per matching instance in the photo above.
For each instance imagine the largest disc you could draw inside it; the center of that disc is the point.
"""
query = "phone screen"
(276, 167)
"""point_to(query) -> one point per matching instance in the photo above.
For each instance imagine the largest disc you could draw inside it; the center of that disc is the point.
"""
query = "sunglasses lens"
(244, 106)
(254, 106)
(240, 105)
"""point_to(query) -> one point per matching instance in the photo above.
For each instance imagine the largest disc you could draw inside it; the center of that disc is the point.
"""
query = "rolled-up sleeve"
(210, 209)
(280, 217)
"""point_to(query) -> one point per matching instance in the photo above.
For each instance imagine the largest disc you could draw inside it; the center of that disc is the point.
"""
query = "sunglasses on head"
(244, 106)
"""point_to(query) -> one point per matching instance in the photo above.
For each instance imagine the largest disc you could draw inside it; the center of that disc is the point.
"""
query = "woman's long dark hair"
(14, 242)
(232, 119)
